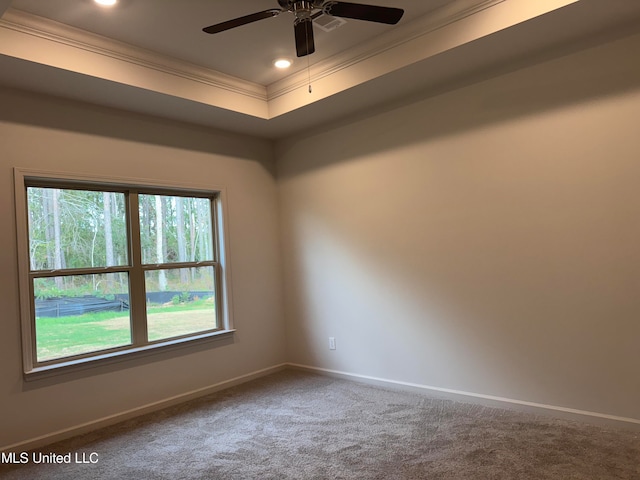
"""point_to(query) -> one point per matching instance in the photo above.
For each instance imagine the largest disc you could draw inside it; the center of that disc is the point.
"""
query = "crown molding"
(417, 44)
(42, 41)
(50, 30)
(60, 33)
(441, 17)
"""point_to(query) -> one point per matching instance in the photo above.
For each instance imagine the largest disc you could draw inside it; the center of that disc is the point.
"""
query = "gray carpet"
(296, 425)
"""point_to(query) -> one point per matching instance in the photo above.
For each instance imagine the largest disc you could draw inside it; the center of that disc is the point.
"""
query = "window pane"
(175, 229)
(180, 301)
(80, 314)
(76, 229)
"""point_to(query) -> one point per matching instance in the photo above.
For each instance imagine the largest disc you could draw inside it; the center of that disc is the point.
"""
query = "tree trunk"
(202, 236)
(166, 228)
(48, 225)
(108, 232)
(162, 277)
(58, 254)
(182, 241)
(192, 224)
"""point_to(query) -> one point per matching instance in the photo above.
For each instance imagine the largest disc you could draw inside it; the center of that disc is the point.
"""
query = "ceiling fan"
(306, 11)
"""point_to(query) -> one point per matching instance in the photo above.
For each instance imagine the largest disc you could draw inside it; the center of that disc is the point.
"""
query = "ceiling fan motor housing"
(303, 10)
(298, 5)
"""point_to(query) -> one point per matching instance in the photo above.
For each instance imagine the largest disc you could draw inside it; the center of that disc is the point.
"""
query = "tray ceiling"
(151, 57)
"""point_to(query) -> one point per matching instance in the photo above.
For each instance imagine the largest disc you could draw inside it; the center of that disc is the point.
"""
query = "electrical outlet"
(332, 343)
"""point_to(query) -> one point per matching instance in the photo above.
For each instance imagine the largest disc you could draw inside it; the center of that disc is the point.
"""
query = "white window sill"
(99, 360)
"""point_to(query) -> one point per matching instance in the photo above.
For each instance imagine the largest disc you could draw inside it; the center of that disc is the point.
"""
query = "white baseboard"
(138, 411)
(601, 419)
(457, 395)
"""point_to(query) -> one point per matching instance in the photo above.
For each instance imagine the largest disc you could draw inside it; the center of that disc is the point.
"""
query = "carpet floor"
(297, 425)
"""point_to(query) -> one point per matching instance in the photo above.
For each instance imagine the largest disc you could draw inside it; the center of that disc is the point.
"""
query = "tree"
(162, 277)
(75, 228)
(108, 233)
(48, 226)
(58, 253)
(181, 238)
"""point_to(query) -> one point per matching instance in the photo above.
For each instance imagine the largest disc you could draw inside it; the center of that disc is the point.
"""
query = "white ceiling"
(174, 28)
(150, 56)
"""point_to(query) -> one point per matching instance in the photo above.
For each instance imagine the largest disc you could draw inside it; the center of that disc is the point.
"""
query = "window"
(115, 268)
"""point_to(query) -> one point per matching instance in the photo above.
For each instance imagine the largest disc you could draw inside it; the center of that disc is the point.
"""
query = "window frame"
(132, 188)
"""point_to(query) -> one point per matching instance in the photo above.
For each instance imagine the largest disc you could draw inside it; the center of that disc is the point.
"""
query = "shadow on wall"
(28, 108)
(576, 73)
(507, 289)
(483, 240)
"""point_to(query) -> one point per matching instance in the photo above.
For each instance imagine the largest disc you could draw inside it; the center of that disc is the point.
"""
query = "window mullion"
(176, 265)
(214, 219)
(136, 280)
(184, 297)
(67, 272)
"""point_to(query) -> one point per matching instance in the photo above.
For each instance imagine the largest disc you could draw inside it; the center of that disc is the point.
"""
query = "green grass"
(75, 335)
(182, 307)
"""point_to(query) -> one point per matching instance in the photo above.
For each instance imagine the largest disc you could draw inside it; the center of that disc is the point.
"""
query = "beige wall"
(485, 240)
(45, 133)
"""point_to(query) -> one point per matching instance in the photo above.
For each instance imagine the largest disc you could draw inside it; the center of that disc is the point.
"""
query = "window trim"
(28, 177)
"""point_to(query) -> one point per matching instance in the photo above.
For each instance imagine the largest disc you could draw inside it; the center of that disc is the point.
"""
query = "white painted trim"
(116, 179)
(440, 18)
(125, 355)
(43, 41)
(224, 257)
(138, 411)
(28, 334)
(53, 31)
(562, 412)
(122, 64)
(405, 46)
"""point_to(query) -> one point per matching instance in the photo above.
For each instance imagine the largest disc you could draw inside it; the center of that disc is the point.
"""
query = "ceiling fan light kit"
(306, 10)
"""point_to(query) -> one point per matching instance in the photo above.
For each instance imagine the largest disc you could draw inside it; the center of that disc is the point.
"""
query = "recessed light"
(282, 63)
(106, 3)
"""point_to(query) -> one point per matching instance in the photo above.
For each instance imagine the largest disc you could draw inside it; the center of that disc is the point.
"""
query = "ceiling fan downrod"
(303, 28)
(302, 9)
(300, 5)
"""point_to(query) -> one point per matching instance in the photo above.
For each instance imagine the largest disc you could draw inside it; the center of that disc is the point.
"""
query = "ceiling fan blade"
(358, 11)
(304, 37)
(237, 22)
